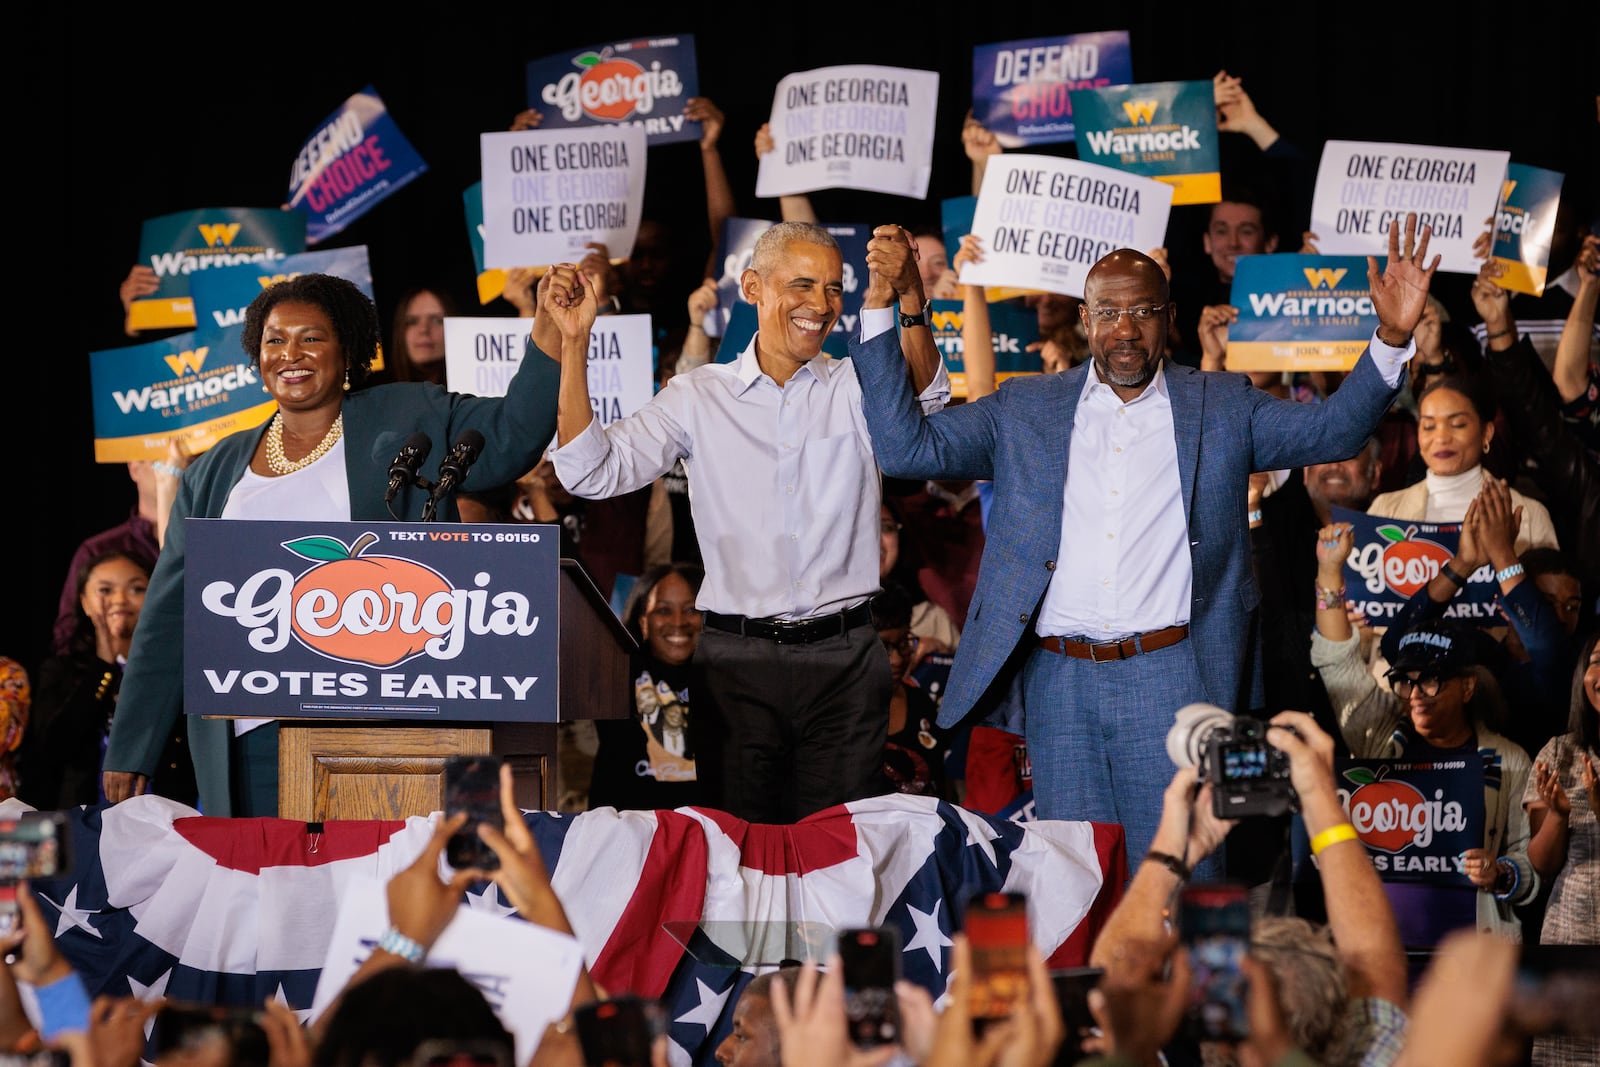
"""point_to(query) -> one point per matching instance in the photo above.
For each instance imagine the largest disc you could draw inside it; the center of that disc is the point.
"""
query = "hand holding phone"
(871, 964)
(1215, 924)
(996, 925)
(472, 785)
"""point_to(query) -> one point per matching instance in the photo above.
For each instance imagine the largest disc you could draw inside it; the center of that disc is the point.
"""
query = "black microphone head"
(470, 442)
(420, 443)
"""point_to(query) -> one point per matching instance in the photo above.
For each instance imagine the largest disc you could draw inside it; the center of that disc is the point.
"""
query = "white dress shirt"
(1124, 551)
(783, 484)
(1124, 565)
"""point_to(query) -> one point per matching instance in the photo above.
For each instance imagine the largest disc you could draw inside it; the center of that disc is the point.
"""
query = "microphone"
(403, 468)
(453, 471)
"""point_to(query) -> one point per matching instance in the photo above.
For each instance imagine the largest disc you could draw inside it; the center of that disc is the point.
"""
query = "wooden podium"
(367, 769)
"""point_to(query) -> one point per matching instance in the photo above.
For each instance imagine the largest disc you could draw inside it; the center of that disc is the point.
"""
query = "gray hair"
(770, 245)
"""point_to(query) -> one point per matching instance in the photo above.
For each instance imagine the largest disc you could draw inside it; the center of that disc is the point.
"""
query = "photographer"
(1341, 988)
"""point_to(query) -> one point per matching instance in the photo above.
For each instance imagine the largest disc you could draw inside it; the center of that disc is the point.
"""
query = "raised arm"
(980, 144)
(1400, 290)
(1236, 112)
(1213, 329)
(567, 299)
(977, 335)
(720, 204)
(1188, 832)
(1571, 370)
(893, 278)
(1359, 915)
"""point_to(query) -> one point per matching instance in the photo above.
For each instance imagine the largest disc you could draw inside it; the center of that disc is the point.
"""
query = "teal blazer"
(517, 428)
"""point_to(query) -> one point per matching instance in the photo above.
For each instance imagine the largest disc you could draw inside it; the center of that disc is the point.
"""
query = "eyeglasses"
(1106, 315)
(905, 646)
(889, 528)
(1402, 685)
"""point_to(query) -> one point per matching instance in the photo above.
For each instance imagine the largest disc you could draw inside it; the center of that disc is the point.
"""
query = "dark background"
(118, 116)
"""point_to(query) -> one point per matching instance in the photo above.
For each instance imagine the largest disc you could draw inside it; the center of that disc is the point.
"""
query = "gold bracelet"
(1332, 836)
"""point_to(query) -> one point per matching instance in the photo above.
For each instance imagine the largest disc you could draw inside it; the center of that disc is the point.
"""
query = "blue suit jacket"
(1020, 437)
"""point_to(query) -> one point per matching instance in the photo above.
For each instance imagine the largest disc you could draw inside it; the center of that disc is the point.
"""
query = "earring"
(1486, 444)
(347, 379)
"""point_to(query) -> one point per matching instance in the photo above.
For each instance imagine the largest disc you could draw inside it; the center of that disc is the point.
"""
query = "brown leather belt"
(1127, 648)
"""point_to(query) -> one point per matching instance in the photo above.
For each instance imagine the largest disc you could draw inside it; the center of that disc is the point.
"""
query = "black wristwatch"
(922, 318)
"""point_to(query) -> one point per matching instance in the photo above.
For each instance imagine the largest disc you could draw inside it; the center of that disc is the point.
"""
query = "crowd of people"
(847, 580)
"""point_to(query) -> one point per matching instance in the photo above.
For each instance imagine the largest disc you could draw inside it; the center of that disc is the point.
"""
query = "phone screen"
(871, 963)
(996, 925)
(619, 1031)
(33, 845)
(193, 1027)
(1216, 931)
(472, 785)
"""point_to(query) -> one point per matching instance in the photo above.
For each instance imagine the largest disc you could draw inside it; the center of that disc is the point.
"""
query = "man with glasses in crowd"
(1117, 574)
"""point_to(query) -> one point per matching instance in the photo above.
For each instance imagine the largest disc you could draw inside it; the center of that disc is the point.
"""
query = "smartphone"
(619, 1032)
(1072, 994)
(1215, 925)
(996, 925)
(472, 785)
(192, 1026)
(871, 963)
(1556, 990)
(35, 844)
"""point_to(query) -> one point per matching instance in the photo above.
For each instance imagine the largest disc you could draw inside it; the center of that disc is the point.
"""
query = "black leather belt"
(792, 631)
(1126, 648)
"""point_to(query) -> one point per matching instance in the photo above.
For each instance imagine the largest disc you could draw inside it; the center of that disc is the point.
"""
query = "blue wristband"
(1508, 572)
(1516, 879)
(396, 943)
(63, 1007)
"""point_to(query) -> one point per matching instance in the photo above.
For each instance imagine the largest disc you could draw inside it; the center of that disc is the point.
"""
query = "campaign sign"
(180, 245)
(1011, 329)
(1044, 221)
(851, 127)
(482, 354)
(1416, 818)
(357, 158)
(733, 257)
(1300, 312)
(1162, 130)
(491, 283)
(1524, 226)
(1394, 558)
(441, 622)
(636, 83)
(548, 194)
(1021, 89)
(146, 394)
(738, 246)
(955, 219)
(1363, 186)
(221, 296)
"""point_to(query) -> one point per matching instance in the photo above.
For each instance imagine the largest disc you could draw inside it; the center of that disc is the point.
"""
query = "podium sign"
(372, 620)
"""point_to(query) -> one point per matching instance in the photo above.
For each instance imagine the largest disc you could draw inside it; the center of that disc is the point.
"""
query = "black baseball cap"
(1442, 648)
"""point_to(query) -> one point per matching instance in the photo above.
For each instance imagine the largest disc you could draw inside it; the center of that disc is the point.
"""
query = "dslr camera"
(1247, 775)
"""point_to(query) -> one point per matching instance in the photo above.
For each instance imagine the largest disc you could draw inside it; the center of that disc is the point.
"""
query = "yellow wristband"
(1332, 836)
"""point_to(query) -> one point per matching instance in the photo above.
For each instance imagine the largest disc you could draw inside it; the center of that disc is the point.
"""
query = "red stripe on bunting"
(250, 844)
(640, 955)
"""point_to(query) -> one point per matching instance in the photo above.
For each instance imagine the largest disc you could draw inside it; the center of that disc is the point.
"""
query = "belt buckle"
(1113, 649)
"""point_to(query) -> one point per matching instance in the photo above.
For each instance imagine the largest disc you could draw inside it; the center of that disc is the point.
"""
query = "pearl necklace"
(277, 463)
